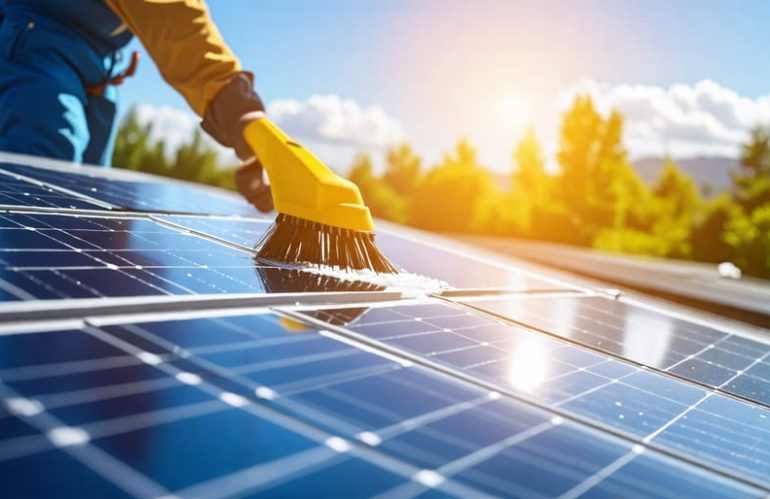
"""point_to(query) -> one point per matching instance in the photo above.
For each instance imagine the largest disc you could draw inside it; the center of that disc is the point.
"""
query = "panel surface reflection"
(653, 406)
(732, 363)
(142, 195)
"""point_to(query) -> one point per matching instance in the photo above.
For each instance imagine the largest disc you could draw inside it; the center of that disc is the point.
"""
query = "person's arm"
(190, 53)
(185, 44)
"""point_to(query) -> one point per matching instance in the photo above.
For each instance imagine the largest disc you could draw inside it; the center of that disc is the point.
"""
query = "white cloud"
(335, 129)
(684, 120)
(331, 119)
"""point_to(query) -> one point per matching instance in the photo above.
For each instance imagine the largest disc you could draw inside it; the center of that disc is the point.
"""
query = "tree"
(707, 241)
(677, 205)
(194, 160)
(380, 197)
(530, 176)
(752, 181)
(402, 169)
(749, 237)
(134, 150)
(597, 188)
(456, 196)
(530, 195)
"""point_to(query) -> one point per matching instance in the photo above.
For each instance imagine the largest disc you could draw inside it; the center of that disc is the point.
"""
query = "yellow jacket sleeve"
(185, 44)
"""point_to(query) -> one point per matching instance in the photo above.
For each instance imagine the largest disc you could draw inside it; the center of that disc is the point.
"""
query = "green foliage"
(596, 185)
(749, 237)
(752, 182)
(194, 161)
(379, 196)
(706, 240)
(402, 169)
(456, 196)
(677, 203)
(529, 199)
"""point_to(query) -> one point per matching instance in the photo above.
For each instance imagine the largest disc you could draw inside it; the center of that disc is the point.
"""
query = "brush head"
(296, 240)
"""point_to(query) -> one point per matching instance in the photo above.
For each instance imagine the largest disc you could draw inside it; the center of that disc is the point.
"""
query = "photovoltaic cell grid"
(17, 192)
(140, 195)
(258, 404)
(715, 358)
(441, 263)
(653, 408)
(253, 404)
(47, 256)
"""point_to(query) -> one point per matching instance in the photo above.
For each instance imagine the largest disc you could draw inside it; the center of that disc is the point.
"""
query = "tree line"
(595, 198)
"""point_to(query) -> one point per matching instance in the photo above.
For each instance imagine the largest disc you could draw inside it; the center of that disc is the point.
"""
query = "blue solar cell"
(141, 194)
(11, 426)
(521, 469)
(79, 377)
(23, 477)
(23, 350)
(242, 231)
(665, 479)
(166, 453)
(123, 405)
(338, 480)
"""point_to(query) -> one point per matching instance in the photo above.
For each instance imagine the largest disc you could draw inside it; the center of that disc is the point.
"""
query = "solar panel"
(138, 193)
(274, 404)
(715, 358)
(144, 351)
(651, 406)
(47, 256)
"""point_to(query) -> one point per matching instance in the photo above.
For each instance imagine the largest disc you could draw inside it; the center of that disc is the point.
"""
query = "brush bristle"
(296, 240)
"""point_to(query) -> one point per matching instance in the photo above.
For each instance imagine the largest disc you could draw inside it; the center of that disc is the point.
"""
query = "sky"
(346, 76)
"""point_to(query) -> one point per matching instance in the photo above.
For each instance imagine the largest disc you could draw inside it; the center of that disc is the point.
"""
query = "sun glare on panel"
(527, 366)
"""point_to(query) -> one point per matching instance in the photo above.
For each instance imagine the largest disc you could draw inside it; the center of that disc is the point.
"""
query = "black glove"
(234, 106)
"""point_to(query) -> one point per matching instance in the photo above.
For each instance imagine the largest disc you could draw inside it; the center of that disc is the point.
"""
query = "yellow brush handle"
(302, 185)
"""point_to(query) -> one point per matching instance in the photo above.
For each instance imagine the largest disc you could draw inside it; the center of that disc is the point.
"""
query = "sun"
(514, 112)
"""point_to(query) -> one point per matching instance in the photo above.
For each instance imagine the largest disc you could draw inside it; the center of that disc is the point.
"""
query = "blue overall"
(50, 52)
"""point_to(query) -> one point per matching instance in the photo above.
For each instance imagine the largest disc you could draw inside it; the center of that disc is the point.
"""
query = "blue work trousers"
(45, 110)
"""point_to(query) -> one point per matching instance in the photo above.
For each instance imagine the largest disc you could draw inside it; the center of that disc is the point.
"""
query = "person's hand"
(235, 106)
(250, 181)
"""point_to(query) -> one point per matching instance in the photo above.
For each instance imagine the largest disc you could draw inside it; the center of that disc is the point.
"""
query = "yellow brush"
(322, 219)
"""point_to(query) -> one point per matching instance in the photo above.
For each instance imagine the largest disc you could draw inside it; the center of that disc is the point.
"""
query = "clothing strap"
(98, 90)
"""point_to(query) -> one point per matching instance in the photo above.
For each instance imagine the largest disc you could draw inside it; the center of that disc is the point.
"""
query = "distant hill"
(713, 170)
